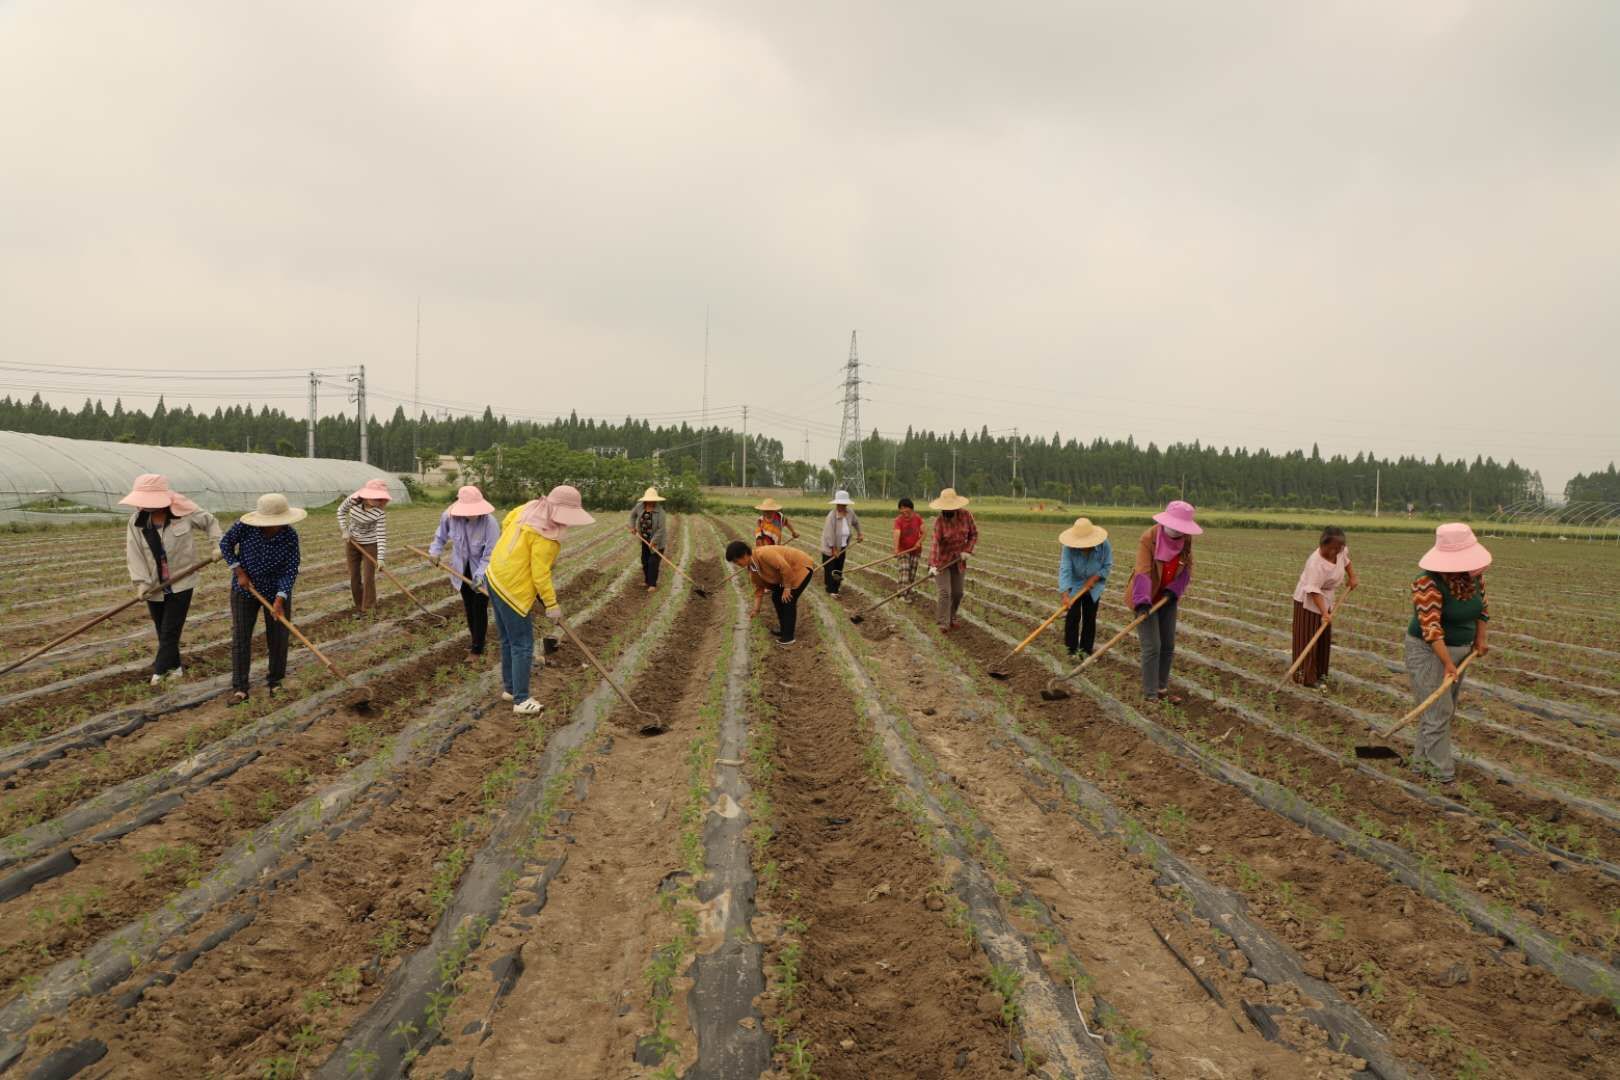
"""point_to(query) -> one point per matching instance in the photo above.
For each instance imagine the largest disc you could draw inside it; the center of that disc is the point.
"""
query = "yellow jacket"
(520, 569)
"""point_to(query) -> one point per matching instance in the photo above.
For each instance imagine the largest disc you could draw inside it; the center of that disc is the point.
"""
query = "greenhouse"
(47, 475)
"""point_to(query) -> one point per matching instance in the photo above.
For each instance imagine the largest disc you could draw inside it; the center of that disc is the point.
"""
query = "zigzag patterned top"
(1429, 603)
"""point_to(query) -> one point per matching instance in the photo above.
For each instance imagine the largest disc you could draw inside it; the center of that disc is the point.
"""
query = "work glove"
(933, 571)
(140, 589)
(554, 613)
(1143, 609)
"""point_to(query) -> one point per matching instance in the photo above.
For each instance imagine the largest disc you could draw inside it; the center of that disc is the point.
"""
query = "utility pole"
(359, 399)
(849, 431)
(703, 437)
(953, 467)
(745, 449)
(1015, 461)
(314, 384)
(1378, 488)
(416, 393)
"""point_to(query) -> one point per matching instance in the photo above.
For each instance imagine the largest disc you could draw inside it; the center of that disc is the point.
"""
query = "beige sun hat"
(274, 510)
(948, 500)
(769, 505)
(650, 495)
(1083, 534)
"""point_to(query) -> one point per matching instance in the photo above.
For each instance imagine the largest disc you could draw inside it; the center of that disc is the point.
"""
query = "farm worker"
(1082, 575)
(1326, 569)
(784, 572)
(468, 527)
(161, 541)
(1163, 567)
(647, 522)
(519, 574)
(262, 551)
(955, 537)
(842, 528)
(908, 527)
(772, 521)
(363, 520)
(1449, 617)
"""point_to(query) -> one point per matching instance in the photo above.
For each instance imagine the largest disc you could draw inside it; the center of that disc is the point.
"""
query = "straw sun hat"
(1456, 551)
(273, 510)
(769, 505)
(948, 500)
(1083, 534)
(650, 495)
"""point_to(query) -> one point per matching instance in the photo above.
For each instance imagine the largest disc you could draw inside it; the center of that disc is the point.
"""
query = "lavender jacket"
(472, 540)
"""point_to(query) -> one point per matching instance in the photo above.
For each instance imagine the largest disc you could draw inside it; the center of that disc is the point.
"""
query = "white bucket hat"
(274, 510)
(841, 498)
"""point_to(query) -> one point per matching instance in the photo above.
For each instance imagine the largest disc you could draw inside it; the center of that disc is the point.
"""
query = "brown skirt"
(1315, 666)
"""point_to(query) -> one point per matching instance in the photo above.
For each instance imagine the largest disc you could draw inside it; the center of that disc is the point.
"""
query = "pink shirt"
(1321, 576)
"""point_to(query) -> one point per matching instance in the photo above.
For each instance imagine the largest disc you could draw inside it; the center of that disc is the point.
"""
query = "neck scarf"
(537, 516)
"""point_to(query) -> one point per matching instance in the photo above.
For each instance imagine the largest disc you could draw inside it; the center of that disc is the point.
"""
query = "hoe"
(875, 562)
(1385, 753)
(1320, 630)
(651, 723)
(360, 700)
(700, 590)
(1055, 690)
(861, 615)
(1035, 633)
(389, 574)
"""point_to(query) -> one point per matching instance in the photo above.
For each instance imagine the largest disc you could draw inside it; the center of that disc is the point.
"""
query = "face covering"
(1169, 545)
(948, 515)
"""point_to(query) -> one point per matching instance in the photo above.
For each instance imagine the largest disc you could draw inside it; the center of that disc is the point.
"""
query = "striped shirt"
(363, 524)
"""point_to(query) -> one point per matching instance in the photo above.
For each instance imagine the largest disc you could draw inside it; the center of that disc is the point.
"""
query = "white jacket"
(180, 537)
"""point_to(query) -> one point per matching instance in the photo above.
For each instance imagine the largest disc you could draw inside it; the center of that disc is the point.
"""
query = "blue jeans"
(517, 647)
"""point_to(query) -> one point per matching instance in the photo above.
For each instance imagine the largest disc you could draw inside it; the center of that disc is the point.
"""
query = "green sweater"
(1436, 613)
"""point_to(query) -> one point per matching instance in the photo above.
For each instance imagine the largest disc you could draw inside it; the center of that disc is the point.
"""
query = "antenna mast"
(703, 436)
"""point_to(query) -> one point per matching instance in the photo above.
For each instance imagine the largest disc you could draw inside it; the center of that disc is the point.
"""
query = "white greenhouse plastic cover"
(34, 468)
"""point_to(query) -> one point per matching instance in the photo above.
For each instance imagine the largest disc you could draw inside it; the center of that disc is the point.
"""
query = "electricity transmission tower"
(849, 432)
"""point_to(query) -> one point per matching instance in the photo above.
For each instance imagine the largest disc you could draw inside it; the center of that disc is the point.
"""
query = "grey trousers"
(1434, 726)
(949, 583)
(1158, 637)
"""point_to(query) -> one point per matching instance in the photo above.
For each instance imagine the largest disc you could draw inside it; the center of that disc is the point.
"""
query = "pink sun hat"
(151, 491)
(470, 502)
(1178, 515)
(374, 489)
(567, 507)
(1456, 551)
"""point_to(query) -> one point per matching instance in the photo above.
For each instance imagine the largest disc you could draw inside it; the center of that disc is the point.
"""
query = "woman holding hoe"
(1087, 557)
(262, 552)
(842, 528)
(519, 575)
(955, 537)
(469, 529)
(1449, 617)
(771, 524)
(1163, 567)
(1326, 569)
(363, 520)
(784, 572)
(160, 541)
(647, 522)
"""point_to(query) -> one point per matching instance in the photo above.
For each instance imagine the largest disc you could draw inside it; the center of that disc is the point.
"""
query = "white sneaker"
(528, 707)
(505, 696)
(157, 679)
(175, 673)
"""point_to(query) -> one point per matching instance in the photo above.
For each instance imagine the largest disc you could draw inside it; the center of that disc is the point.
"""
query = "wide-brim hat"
(149, 492)
(374, 489)
(948, 500)
(1082, 534)
(273, 509)
(841, 498)
(567, 508)
(769, 505)
(1178, 515)
(470, 502)
(650, 495)
(1456, 551)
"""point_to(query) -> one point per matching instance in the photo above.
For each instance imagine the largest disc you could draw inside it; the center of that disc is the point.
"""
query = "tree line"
(1594, 486)
(918, 463)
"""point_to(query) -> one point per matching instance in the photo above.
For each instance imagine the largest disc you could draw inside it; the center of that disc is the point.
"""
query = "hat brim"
(148, 500)
(762, 508)
(477, 509)
(293, 515)
(568, 515)
(958, 503)
(1088, 539)
(655, 498)
(1185, 526)
(365, 494)
(1465, 561)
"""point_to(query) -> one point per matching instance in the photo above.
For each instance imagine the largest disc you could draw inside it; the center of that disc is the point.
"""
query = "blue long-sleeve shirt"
(271, 562)
(1078, 564)
(472, 541)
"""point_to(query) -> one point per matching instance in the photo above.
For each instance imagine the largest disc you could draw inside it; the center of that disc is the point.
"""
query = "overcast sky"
(1384, 226)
